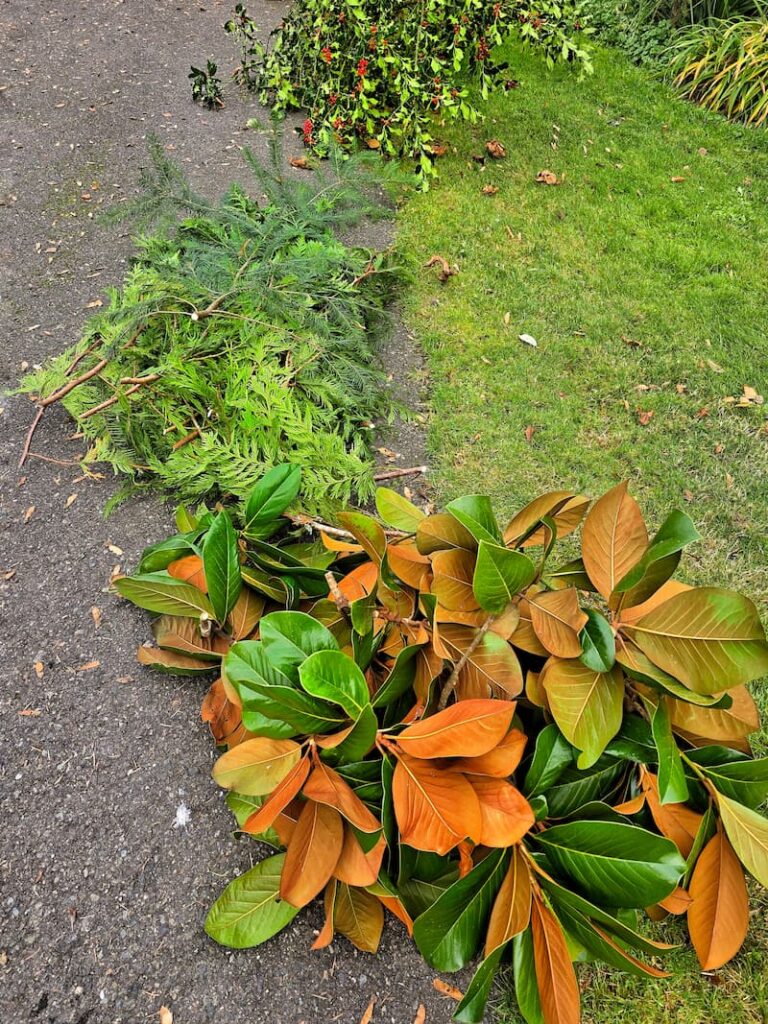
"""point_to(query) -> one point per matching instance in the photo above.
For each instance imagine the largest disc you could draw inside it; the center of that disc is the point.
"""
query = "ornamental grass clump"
(432, 716)
(243, 336)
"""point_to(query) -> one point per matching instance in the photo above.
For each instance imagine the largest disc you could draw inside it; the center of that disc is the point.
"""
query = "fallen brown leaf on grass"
(448, 990)
(496, 149)
(547, 178)
(677, 179)
(446, 270)
(529, 432)
(421, 1015)
(490, 190)
(301, 163)
(644, 417)
(439, 149)
(749, 399)
(368, 1015)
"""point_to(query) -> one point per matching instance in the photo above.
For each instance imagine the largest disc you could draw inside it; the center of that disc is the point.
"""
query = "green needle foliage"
(244, 335)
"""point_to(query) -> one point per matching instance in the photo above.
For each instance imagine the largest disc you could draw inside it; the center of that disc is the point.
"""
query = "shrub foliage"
(243, 336)
(380, 71)
(431, 715)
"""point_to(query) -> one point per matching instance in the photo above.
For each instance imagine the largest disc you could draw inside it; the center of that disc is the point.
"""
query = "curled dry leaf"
(448, 990)
(547, 178)
(446, 270)
(496, 149)
(301, 163)
(490, 190)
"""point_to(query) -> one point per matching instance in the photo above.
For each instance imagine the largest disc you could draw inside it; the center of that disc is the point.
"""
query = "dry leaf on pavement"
(448, 990)
(368, 1015)
(421, 1015)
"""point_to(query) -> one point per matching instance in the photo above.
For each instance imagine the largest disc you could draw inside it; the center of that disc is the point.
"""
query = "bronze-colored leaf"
(435, 808)
(718, 917)
(255, 767)
(469, 728)
(359, 916)
(500, 762)
(492, 667)
(354, 866)
(506, 815)
(614, 539)
(452, 584)
(326, 786)
(555, 976)
(557, 620)
(278, 799)
(245, 616)
(512, 906)
(190, 570)
(313, 852)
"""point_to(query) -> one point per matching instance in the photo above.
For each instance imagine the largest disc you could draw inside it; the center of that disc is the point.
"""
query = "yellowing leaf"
(408, 565)
(614, 539)
(587, 705)
(748, 833)
(512, 906)
(313, 852)
(255, 767)
(279, 799)
(722, 725)
(557, 620)
(564, 507)
(452, 583)
(435, 808)
(468, 728)
(718, 917)
(359, 916)
(246, 613)
(190, 570)
(492, 667)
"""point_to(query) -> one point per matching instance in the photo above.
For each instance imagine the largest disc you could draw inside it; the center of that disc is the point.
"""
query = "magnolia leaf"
(492, 665)
(638, 666)
(221, 559)
(313, 852)
(176, 633)
(159, 592)
(471, 1009)
(189, 569)
(526, 987)
(255, 767)
(748, 833)
(675, 821)
(499, 576)
(741, 778)
(359, 916)
(524, 635)
(558, 620)
(598, 647)
(408, 565)
(172, 662)
(468, 728)
(290, 637)
(159, 556)
(397, 511)
(512, 907)
(718, 917)
(333, 676)
(271, 496)
(730, 725)
(671, 779)
(551, 756)
(572, 574)
(400, 679)
(619, 865)
(600, 945)
(452, 583)
(246, 613)
(506, 815)
(614, 539)
(498, 763)
(326, 786)
(555, 976)
(435, 809)
(588, 706)
(565, 508)
(659, 561)
(448, 933)
(475, 513)
(249, 911)
(442, 531)
(264, 817)
(367, 532)
(355, 866)
(710, 639)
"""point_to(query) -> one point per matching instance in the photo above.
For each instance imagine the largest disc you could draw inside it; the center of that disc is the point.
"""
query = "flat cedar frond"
(243, 336)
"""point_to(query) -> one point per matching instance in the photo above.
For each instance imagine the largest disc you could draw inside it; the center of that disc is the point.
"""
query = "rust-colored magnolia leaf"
(359, 916)
(675, 821)
(512, 906)
(557, 620)
(614, 539)
(355, 867)
(245, 616)
(313, 853)
(279, 799)
(524, 635)
(335, 544)
(181, 664)
(718, 917)
(255, 767)
(360, 582)
(223, 716)
(435, 808)
(452, 584)
(555, 976)
(447, 990)
(492, 667)
(506, 815)
(190, 570)
(440, 532)
(174, 633)
(500, 762)
(469, 728)
(326, 786)
(677, 902)
(564, 507)
(429, 665)
(665, 591)
(408, 564)
(325, 937)
(421, 1015)
(729, 725)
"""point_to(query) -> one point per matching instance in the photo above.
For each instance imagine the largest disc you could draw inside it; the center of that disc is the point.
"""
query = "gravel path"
(102, 899)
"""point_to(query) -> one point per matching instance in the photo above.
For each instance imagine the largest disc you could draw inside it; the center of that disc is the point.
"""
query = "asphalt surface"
(102, 897)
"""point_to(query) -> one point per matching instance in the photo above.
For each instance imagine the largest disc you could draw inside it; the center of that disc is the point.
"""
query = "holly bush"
(381, 70)
(428, 714)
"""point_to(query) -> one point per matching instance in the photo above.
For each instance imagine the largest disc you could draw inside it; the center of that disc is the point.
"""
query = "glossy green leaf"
(741, 778)
(673, 789)
(576, 787)
(250, 910)
(616, 864)
(475, 513)
(270, 498)
(598, 647)
(449, 933)
(159, 592)
(500, 575)
(221, 562)
(526, 987)
(290, 637)
(552, 755)
(400, 678)
(588, 706)
(397, 511)
(243, 807)
(471, 1009)
(159, 556)
(659, 561)
(333, 676)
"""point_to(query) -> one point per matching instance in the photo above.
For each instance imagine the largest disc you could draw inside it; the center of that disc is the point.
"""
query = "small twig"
(30, 433)
(390, 474)
(49, 458)
(83, 354)
(146, 379)
(186, 439)
(117, 396)
(335, 531)
(453, 678)
(63, 392)
(341, 602)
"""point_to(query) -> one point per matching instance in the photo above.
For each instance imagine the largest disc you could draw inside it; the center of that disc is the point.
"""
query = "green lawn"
(646, 295)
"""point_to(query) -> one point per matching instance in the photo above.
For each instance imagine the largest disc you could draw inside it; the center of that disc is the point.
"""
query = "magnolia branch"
(453, 678)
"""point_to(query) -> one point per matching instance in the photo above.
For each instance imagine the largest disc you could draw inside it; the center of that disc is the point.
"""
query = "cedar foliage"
(260, 325)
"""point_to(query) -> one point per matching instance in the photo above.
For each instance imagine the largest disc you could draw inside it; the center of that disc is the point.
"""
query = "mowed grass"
(646, 295)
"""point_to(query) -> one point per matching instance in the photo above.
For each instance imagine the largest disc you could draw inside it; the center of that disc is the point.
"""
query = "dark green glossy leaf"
(471, 1009)
(673, 789)
(659, 561)
(552, 755)
(333, 676)
(159, 556)
(598, 647)
(290, 637)
(270, 498)
(500, 575)
(526, 987)
(221, 562)
(400, 678)
(576, 787)
(475, 513)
